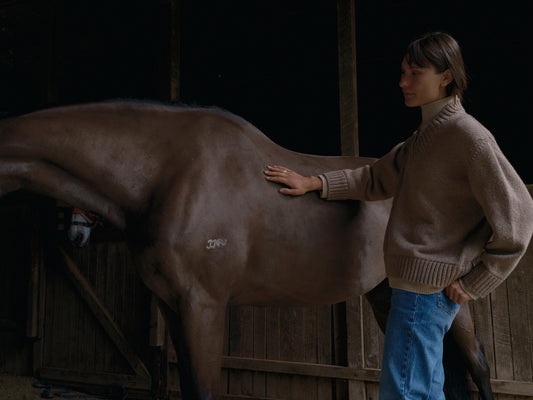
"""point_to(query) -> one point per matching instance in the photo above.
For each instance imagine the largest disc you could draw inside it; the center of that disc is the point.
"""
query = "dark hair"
(443, 52)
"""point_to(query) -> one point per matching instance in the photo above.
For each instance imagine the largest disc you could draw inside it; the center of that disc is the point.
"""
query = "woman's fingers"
(280, 174)
(277, 173)
(276, 170)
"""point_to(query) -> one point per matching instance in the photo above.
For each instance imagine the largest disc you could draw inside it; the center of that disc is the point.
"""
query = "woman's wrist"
(314, 183)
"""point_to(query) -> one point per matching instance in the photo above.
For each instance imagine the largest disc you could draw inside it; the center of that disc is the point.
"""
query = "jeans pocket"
(446, 304)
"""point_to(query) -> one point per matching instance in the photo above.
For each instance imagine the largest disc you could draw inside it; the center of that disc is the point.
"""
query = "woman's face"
(422, 85)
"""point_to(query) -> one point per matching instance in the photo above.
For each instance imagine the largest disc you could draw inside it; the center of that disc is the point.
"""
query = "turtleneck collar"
(430, 111)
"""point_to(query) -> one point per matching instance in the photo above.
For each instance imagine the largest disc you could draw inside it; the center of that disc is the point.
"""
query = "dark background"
(274, 63)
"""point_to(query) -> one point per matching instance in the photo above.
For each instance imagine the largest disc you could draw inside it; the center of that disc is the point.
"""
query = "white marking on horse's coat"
(215, 243)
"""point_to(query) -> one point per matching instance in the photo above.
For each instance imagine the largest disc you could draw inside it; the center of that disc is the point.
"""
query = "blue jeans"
(412, 356)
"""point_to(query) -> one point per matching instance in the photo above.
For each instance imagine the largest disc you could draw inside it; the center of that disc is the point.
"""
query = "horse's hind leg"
(197, 334)
(470, 348)
(379, 299)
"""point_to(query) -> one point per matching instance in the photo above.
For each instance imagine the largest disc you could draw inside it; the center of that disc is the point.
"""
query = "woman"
(460, 221)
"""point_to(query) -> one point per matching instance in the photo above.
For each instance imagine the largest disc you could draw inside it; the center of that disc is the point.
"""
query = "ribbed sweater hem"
(422, 273)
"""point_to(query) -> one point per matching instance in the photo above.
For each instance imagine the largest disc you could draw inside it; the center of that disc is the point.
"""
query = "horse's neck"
(57, 159)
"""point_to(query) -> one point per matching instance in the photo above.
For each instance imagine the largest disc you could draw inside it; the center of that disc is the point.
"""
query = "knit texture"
(460, 211)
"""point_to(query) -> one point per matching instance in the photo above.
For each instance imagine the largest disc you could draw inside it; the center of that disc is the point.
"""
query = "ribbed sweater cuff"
(337, 185)
(481, 281)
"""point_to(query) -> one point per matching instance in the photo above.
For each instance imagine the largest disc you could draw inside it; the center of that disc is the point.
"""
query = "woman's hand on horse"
(296, 184)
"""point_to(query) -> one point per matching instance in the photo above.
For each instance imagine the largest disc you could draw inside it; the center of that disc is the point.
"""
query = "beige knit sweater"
(460, 211)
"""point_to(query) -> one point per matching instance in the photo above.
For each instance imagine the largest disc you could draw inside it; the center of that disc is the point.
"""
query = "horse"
(186, 186)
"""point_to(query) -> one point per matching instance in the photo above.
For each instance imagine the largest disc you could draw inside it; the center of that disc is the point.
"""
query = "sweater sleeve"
(375, 181)
(508, 208)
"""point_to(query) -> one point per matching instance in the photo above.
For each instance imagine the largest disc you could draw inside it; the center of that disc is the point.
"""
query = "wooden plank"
(521, 307)
(300, 368)
(349, 128)
(157, 324)
(103, 316)
(502, 333)
(71, 377)
(98, 262)
(34, 293)
(373, 338)
(513, 388)
(107, 299)
(88, 325)
(273, 349)
(259, 349)
(175, 49)
(55, 318)
(340, 344)
(241, 345)
(355, 346)
(305, 388)
(224, 388)
(39, 295)
(372, 390)
(347, 78)
(324, 356)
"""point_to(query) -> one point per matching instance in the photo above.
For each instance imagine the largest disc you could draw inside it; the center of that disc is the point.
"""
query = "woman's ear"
(447, 78)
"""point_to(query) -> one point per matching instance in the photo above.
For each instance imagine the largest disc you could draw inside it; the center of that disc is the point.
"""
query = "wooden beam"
(35, 286)
(349, 131)
(86, 379)
(512, 388)
(298, 368)
(347, 78)
(157, 324)
(175, 49)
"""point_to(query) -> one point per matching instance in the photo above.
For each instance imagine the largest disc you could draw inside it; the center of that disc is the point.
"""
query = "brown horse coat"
(187, 187)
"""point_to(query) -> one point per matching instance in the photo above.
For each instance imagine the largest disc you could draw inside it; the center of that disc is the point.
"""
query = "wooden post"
(347, 78)
(351, 310)
(175, 23)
